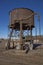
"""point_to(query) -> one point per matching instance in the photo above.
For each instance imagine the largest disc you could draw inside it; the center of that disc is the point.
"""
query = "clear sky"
(7, 5)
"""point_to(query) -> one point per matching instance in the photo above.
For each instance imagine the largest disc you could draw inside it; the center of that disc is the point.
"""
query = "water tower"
(21, 19)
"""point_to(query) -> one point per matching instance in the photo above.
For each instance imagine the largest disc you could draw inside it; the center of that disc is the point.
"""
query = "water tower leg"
(20, 32)
(9, 40)
(31, 43)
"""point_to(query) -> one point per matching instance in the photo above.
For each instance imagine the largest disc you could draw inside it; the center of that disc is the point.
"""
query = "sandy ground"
(15, 57)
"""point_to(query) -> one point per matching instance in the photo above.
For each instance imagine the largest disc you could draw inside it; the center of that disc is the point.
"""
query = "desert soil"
(15, 57)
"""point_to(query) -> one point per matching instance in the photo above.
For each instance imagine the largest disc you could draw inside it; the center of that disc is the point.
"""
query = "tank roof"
(21, 8)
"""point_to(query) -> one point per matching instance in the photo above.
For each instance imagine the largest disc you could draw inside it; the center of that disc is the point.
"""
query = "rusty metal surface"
(21, 14)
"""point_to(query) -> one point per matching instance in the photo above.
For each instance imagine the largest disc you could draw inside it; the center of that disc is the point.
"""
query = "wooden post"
(9, 40)
(31, 33)
(31, 43)
(20, 32)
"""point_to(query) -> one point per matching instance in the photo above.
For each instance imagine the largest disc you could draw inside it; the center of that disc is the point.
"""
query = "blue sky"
(7, 5)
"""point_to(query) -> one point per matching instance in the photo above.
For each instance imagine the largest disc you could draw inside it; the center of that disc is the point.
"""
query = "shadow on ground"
(36, 45)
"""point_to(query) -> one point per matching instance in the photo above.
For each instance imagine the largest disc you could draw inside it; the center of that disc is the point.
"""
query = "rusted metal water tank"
(24, 14)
